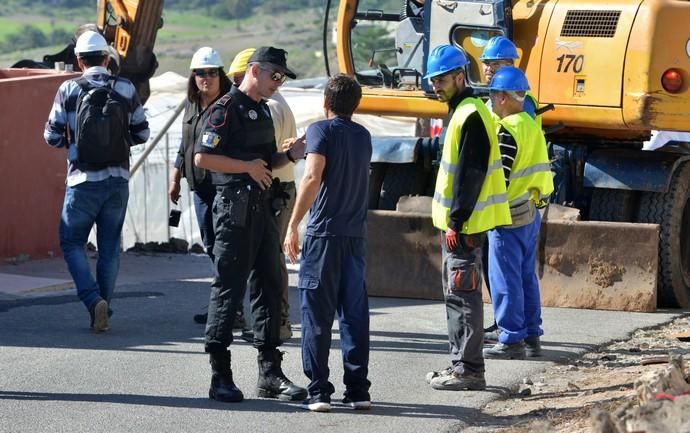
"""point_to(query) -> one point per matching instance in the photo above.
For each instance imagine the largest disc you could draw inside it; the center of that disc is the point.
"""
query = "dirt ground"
(563, 398)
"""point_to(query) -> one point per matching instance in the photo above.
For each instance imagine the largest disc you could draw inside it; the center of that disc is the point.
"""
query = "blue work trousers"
(514, 283)
(331, 279)
(103, 203)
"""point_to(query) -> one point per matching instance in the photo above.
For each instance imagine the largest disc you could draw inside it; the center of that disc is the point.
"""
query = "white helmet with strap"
(206, 57)
(91, 42)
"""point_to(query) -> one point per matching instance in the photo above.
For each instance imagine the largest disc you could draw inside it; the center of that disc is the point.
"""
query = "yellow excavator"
(615, 72)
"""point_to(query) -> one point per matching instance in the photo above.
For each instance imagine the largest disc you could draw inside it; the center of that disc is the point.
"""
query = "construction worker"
(512, 249)
(470, 198)
(498, 52)
(238, 147)
(285, 128)
(97, 169)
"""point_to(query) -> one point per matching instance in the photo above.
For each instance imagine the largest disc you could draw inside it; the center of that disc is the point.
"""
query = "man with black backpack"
(97, 117)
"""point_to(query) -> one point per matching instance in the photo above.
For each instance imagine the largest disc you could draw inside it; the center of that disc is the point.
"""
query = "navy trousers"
(331, 279)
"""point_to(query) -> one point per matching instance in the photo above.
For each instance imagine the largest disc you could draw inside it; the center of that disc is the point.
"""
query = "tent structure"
(149, 204)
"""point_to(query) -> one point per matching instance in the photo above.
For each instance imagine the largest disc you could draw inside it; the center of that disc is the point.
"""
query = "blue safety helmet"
(443, 59)
(509, 78)
(499, 48)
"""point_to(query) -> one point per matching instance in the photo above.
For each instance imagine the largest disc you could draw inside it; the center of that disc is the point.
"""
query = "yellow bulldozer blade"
(596, 265)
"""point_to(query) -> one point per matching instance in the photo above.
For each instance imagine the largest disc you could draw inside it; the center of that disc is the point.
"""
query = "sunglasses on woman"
(276, 76)
(201, 73)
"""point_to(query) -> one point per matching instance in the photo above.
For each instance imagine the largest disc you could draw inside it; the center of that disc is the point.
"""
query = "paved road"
(149, 373)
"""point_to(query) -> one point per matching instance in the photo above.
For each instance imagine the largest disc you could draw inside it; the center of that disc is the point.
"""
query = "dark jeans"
(331, 279)
(204, 194)
(462, 291)
(251, 245)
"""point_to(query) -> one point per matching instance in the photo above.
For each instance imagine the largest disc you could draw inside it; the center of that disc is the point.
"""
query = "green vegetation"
(227, 25)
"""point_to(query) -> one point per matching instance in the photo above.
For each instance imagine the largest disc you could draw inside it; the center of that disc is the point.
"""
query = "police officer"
(470, 198)
(238, 146)
(512, 249)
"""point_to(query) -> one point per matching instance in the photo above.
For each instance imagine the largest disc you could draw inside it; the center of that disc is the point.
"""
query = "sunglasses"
(206, 73)
(276, 76)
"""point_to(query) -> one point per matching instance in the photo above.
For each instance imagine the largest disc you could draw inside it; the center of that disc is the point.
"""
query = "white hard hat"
(91, 42)
(206, 57)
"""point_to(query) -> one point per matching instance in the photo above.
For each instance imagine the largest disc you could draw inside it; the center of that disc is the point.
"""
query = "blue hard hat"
(443, 59)
(498, 48)
(509, 78)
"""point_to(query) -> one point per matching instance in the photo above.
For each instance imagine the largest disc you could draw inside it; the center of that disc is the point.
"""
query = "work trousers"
(514, 283)
(462, 284)
(331, 279)
(244, 244)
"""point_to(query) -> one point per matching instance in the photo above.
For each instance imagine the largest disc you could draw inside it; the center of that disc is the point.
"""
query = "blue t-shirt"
(341, 205)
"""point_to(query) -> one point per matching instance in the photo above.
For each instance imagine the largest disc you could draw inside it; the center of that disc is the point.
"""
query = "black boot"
(222, 386)
(272, 382)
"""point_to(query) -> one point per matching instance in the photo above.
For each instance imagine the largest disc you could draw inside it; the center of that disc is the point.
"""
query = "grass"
(183, 32)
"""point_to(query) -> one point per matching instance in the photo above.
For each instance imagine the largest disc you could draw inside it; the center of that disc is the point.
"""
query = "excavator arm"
(131, 27)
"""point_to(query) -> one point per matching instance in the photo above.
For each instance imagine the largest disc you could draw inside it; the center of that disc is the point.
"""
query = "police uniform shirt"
(221, 137)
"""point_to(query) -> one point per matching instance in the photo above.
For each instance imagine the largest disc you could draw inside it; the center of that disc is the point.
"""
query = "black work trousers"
(247, 243)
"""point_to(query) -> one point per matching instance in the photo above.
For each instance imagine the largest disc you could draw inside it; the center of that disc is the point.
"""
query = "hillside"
(44, 27)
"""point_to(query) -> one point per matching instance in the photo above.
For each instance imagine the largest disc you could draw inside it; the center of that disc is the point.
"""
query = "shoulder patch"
(224, 100)
(210, 139)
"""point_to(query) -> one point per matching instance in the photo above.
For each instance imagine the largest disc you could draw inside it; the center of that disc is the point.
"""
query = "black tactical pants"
(247, 241)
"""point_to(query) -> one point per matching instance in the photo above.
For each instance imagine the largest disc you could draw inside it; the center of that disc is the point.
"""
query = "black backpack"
(102, 135)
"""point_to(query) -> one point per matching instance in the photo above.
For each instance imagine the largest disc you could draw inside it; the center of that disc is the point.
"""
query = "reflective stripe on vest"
(530, 177)
(491, 209)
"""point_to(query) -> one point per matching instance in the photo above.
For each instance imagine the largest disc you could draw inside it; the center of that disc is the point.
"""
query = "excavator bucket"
(598, 265)
(580, 264)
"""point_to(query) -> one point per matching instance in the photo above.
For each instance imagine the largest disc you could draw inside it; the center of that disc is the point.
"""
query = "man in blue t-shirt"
(331, 278)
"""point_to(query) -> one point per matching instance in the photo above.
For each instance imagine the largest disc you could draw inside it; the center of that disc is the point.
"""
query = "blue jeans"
(105, 204)
(204, 194)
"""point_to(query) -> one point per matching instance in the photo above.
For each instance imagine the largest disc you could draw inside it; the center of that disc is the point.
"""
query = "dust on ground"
(561, 399)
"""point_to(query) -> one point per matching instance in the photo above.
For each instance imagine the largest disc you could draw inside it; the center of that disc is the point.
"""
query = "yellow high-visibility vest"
(492, 208)
(530, 177)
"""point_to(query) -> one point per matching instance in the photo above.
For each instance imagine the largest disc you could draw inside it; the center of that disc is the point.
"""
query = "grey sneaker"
(491, 336)
(434, 374)
(459, 382)
(99, 316)
(533, 346)
(285, 330)
(505, 351)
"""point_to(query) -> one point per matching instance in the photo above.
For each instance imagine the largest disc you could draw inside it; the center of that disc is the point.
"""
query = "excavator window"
(387, 45)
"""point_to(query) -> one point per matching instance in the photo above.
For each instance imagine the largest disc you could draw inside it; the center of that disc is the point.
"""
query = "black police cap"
(275, 56)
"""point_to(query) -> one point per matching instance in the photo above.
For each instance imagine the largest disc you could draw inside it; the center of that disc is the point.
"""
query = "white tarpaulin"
(149, 205)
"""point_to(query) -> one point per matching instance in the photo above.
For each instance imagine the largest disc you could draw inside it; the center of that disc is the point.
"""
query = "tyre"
(400, 180)
(671, 210)
(376, 173)
(615, 205)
